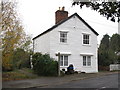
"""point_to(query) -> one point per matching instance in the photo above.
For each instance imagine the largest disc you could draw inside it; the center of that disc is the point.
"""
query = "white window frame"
(86, 39)
(62, 60)
(63, 39)
(87, 60)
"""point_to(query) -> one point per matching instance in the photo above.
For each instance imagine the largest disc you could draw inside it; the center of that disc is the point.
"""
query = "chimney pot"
(63, 8)
(59, 8)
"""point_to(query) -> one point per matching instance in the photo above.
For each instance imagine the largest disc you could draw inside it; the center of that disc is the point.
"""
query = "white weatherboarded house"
(74, 39)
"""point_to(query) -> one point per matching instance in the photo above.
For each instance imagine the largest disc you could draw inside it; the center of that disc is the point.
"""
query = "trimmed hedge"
(43, 65)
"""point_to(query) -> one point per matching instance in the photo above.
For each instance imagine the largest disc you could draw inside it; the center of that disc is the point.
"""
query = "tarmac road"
(99, 83)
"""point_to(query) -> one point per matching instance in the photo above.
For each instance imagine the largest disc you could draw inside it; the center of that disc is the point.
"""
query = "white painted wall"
(75, 29)
(42, 44)
(50, 43)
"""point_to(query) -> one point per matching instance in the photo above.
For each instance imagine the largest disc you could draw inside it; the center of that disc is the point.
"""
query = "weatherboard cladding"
(56, 25)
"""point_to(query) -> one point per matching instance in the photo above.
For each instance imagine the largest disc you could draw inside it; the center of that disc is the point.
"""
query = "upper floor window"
(63, 37)
(86, 39)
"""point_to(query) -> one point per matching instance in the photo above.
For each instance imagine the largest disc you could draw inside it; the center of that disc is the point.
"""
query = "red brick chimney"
(60, 15)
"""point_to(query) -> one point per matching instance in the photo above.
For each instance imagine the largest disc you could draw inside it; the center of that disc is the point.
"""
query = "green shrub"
(43, 65)
(21, 59)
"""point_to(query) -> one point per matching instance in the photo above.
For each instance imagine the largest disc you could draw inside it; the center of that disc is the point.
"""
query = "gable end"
(56, 25)
(86, 24)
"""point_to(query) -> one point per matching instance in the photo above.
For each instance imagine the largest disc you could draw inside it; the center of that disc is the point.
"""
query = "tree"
(111, 10)
(104, 45)
(115, 46)
(108, 49)
(26, 43)
(115, 43)
(103, 56)
(11, 34)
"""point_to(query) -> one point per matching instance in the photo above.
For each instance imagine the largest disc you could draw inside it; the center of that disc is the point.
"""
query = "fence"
(114, 67)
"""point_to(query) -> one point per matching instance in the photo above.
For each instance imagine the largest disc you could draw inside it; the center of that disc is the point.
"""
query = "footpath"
(46, 81)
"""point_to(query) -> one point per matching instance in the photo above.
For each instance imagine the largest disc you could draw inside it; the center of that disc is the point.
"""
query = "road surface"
(99, 83)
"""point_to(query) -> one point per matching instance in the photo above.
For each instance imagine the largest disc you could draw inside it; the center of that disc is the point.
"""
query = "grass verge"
(18, 74)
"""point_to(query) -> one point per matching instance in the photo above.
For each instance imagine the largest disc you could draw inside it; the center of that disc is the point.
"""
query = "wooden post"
(58, 63)
(31, 64)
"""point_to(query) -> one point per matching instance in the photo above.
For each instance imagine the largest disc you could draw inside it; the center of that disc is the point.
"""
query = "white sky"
(39, 15)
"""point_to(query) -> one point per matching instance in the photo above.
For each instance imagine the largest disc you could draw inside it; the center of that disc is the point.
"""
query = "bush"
(43, 65)
(103, 68)
(21, 59)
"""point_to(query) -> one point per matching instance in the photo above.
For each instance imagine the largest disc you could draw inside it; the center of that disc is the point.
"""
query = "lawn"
(26, 73)
(18, 74)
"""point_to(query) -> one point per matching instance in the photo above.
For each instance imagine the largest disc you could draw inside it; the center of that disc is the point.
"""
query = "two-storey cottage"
(73, 38)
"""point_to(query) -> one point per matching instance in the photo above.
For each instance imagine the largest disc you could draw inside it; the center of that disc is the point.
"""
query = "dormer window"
(63, 37)
(86, 39)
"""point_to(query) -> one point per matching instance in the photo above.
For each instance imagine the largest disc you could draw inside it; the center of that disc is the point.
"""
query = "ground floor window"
(64, 60)
(86, 60)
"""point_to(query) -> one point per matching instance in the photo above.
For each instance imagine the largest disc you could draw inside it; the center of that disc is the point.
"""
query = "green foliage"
(103, 58)
(43, 65)
(112, 56)
(11, 32)
(13, 36)
(26, 43)
(115, 46)
(107, 50)
(115, 42)
(21, 59)
(105, 42)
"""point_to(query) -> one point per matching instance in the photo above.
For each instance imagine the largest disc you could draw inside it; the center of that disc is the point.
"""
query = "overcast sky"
(39, 15)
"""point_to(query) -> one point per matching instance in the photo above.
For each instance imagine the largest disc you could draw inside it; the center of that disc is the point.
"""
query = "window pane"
(84, 57)
(65, 40)
(88, 37)
(61, 60)
(62, 40)
(65, 60)
(84, 60)
(85, 39)
(63, 37)
(89, 60)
